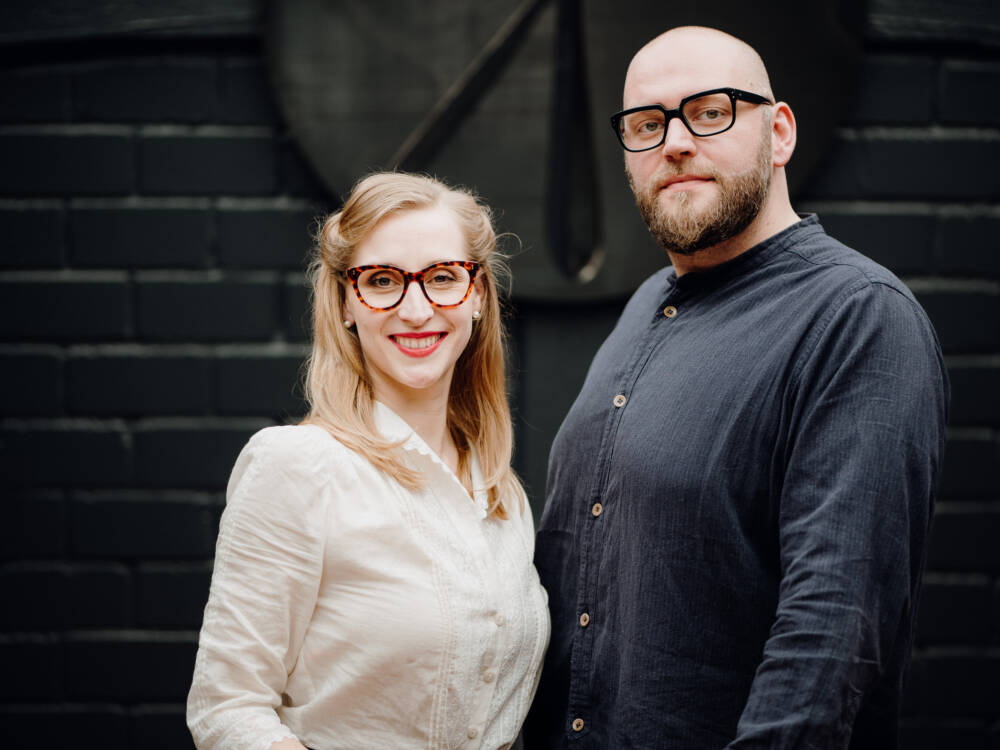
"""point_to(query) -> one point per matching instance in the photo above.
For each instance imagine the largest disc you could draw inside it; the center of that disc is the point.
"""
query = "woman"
(373, 584)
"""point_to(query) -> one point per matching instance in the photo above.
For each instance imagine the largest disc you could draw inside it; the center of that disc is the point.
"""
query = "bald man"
(738, 501)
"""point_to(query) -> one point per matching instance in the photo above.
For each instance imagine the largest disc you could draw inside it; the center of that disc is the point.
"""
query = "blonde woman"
(373, 582)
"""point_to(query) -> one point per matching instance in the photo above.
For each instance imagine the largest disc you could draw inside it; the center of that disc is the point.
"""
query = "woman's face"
(410, 351)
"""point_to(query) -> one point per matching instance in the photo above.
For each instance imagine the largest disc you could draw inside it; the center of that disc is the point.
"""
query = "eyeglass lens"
(704, 115)
(443, 285)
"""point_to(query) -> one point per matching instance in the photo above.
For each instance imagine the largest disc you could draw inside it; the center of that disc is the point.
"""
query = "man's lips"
(417, 344)
(682, 182)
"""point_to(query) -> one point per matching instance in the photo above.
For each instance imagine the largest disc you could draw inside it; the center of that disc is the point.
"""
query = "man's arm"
(866, 434)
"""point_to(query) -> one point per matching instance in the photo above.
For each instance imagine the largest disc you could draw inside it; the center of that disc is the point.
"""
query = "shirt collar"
(745, 261)
(393, 427)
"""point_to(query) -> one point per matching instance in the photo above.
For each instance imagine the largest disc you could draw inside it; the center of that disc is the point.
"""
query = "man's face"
(694, 193)
(684, 219)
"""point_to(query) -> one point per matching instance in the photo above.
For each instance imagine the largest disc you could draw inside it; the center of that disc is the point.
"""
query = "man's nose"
(678, 141)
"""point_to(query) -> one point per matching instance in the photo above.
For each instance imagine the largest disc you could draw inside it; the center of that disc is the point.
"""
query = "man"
(739, 499)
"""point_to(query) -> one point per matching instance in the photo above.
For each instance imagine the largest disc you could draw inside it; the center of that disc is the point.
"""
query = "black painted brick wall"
(152, 316)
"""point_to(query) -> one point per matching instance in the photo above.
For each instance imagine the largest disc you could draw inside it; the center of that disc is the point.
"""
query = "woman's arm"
(268, 566)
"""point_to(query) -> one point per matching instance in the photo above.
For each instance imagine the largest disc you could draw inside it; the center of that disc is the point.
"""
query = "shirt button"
(489, 675)
(619, 400)
(670, 311)
(584, 620)
(498, 619)
(577, 724)
(597, 509)
(472, 732)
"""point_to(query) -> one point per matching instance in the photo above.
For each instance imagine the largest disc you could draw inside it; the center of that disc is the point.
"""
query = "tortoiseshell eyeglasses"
(382, 287)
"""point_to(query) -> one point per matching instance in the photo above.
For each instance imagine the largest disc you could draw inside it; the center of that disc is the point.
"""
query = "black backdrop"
(154, 218)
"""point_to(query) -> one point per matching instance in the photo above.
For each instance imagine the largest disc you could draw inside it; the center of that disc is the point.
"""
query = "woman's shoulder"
(302, 449)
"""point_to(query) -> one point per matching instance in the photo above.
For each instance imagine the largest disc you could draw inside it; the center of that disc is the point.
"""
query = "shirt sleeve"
(865, 437)
(268, 565)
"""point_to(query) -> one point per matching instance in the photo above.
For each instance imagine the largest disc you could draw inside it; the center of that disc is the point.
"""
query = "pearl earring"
(348, 323)
(476, 315)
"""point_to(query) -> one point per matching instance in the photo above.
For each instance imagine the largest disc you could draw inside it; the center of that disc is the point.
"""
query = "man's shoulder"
(833, 262)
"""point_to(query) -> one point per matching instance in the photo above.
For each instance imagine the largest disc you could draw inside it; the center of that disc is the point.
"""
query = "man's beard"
(680, 229)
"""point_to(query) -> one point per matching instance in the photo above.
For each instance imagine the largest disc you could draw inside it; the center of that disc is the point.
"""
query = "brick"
(63, 310)
(64, 726)
(116, 665)
(967, 469)
(52, 164)
(30, 384)
(99, 596)
(964, 540)
(968, 246)
(925, 734)
(35, 595)
(206, 311)
(36, 525)
(298, 311)
(961, 683)
(265, 239)
(32, 666)
(34, 95)
(124, 525)
(41, 457)
(139, 385)
(902, 243)
(207, 165)
(896, 168)
(297, 177)
(954, 610)
(190, 457)
(923, 20)
(260, 385)
(245, 95)
(32, 238)
(172, 595)
(968, 92)
(894, 90)
(53, 595)
(160, 727)
(141, 238)
(184, 91)
(966, 322)
(975, 395)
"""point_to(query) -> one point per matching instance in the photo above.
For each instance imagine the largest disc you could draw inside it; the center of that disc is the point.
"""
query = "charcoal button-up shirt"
(737, 509)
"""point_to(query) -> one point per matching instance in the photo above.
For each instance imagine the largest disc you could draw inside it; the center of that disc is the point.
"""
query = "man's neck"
(766, 225)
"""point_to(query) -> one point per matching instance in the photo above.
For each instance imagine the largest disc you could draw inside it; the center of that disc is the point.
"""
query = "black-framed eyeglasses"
(382, 287)
(703, 114)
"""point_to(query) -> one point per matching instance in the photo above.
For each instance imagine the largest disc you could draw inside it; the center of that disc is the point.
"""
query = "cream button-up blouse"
(350, 612)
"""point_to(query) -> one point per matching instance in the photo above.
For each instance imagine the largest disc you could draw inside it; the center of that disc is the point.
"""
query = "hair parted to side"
(338, 386)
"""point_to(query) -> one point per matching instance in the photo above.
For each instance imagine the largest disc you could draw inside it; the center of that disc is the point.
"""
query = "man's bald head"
(709, 58)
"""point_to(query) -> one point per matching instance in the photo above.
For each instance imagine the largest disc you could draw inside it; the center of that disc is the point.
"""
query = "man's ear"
(783, 134)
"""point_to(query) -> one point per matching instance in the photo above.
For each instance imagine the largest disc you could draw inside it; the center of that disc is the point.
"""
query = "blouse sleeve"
(268, 565)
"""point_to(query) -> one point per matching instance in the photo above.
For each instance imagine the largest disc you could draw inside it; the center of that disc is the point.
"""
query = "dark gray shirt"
(737, 510)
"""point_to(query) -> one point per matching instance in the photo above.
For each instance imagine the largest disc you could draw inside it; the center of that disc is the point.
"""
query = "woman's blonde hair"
(338, 386)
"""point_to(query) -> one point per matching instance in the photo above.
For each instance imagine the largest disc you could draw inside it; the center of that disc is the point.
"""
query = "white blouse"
(350, 612)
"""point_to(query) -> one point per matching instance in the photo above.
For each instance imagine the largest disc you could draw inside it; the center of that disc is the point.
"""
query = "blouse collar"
(393, 427)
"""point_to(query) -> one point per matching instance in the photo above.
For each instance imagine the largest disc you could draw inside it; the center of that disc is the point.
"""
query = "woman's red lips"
(417, 344)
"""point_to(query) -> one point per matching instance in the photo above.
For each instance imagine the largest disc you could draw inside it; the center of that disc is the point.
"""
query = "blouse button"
(489, 675)
(619, 400)
(670, 311)
(472, 732)
(498, 619)
(577, 724)
(597, 509)
(584, 620)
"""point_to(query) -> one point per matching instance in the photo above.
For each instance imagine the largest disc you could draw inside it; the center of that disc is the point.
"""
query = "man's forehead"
(685, 61)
